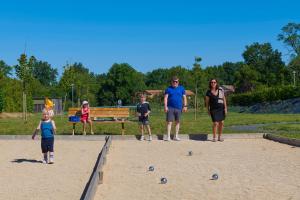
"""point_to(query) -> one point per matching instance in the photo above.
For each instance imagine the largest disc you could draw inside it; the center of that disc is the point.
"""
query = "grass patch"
(290, 135)
(284, 130)
(16, 126)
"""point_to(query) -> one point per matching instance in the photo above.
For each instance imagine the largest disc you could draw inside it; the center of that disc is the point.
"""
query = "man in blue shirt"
(174, 95)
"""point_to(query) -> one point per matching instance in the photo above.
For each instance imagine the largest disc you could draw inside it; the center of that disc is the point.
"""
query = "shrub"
(265, 95)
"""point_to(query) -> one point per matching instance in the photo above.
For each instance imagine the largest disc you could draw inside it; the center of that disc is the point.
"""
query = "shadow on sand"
(21, 160)
(195, 136)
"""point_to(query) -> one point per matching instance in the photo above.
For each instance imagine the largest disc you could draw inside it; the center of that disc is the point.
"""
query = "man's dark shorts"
(173, 114)
(47, 144)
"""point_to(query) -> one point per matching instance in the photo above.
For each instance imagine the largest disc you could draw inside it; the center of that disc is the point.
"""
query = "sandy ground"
(5, 115)
(24, 177)
(247, 169)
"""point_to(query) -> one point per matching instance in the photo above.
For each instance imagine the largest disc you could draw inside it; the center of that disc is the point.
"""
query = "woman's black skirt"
(218, 114)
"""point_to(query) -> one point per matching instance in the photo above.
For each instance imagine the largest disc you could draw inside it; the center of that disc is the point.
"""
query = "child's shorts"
(144, 121)
(47, 144)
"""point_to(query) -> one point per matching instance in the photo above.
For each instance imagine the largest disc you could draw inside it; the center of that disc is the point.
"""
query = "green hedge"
(264, 95)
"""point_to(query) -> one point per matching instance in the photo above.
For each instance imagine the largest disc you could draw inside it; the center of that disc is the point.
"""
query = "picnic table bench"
(103, 115)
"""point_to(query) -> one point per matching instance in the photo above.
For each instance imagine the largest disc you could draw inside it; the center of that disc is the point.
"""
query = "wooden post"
(123, 128)
(73, 132)
(100, 177)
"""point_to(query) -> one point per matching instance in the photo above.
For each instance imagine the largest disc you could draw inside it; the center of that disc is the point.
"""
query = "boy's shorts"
(143, 121)
(47, 144)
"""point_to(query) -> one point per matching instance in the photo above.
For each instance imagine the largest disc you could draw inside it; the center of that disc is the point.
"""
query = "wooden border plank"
(97, 174)
(276, 138)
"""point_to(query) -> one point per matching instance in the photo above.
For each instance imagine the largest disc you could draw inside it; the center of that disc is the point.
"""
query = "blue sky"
(145, 34)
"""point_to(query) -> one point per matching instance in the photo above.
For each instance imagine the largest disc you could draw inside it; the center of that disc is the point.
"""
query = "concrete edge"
(276, 138)
(199, 136)
(57, 137)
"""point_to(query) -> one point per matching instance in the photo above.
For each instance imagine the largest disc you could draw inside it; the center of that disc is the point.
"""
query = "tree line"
(262, 67)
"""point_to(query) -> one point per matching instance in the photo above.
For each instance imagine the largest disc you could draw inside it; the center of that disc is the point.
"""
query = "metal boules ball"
(215, 176)
(163, 180)
(190, 153)
(151, 168)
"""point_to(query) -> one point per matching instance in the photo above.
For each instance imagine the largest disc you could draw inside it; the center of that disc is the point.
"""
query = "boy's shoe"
(213, 140)
(220, 139)
(84, 133)
(168, 139)
(142, 138)
(176, 138)
(150, 138)
(51, 160)
(92, 133)
(44, 161)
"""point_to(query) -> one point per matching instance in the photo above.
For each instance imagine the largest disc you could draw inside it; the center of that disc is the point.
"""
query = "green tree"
(246, 78)
(214, 72)
(122, 82)
(84, 83)
(24, 73)
(290, 35)
(198, 83)
(157, 79)
(24, 70)
(43, 72)
(1, 100)
(266, 61)
(184, 75)
(229, 69)
(5, 70)
(12, 93)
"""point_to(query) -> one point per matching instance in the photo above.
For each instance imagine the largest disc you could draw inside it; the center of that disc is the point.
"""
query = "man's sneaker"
(51, 160)
(168, 139)
(150, 138)
(142, 138)
(176, 138)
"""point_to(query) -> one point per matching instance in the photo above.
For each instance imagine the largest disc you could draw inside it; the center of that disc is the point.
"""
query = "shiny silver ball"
(215, 176)
(151, 168)
(163, 180)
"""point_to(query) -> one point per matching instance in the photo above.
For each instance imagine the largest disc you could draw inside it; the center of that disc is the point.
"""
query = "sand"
(5, 115)
(247, 169)
(24, 177)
